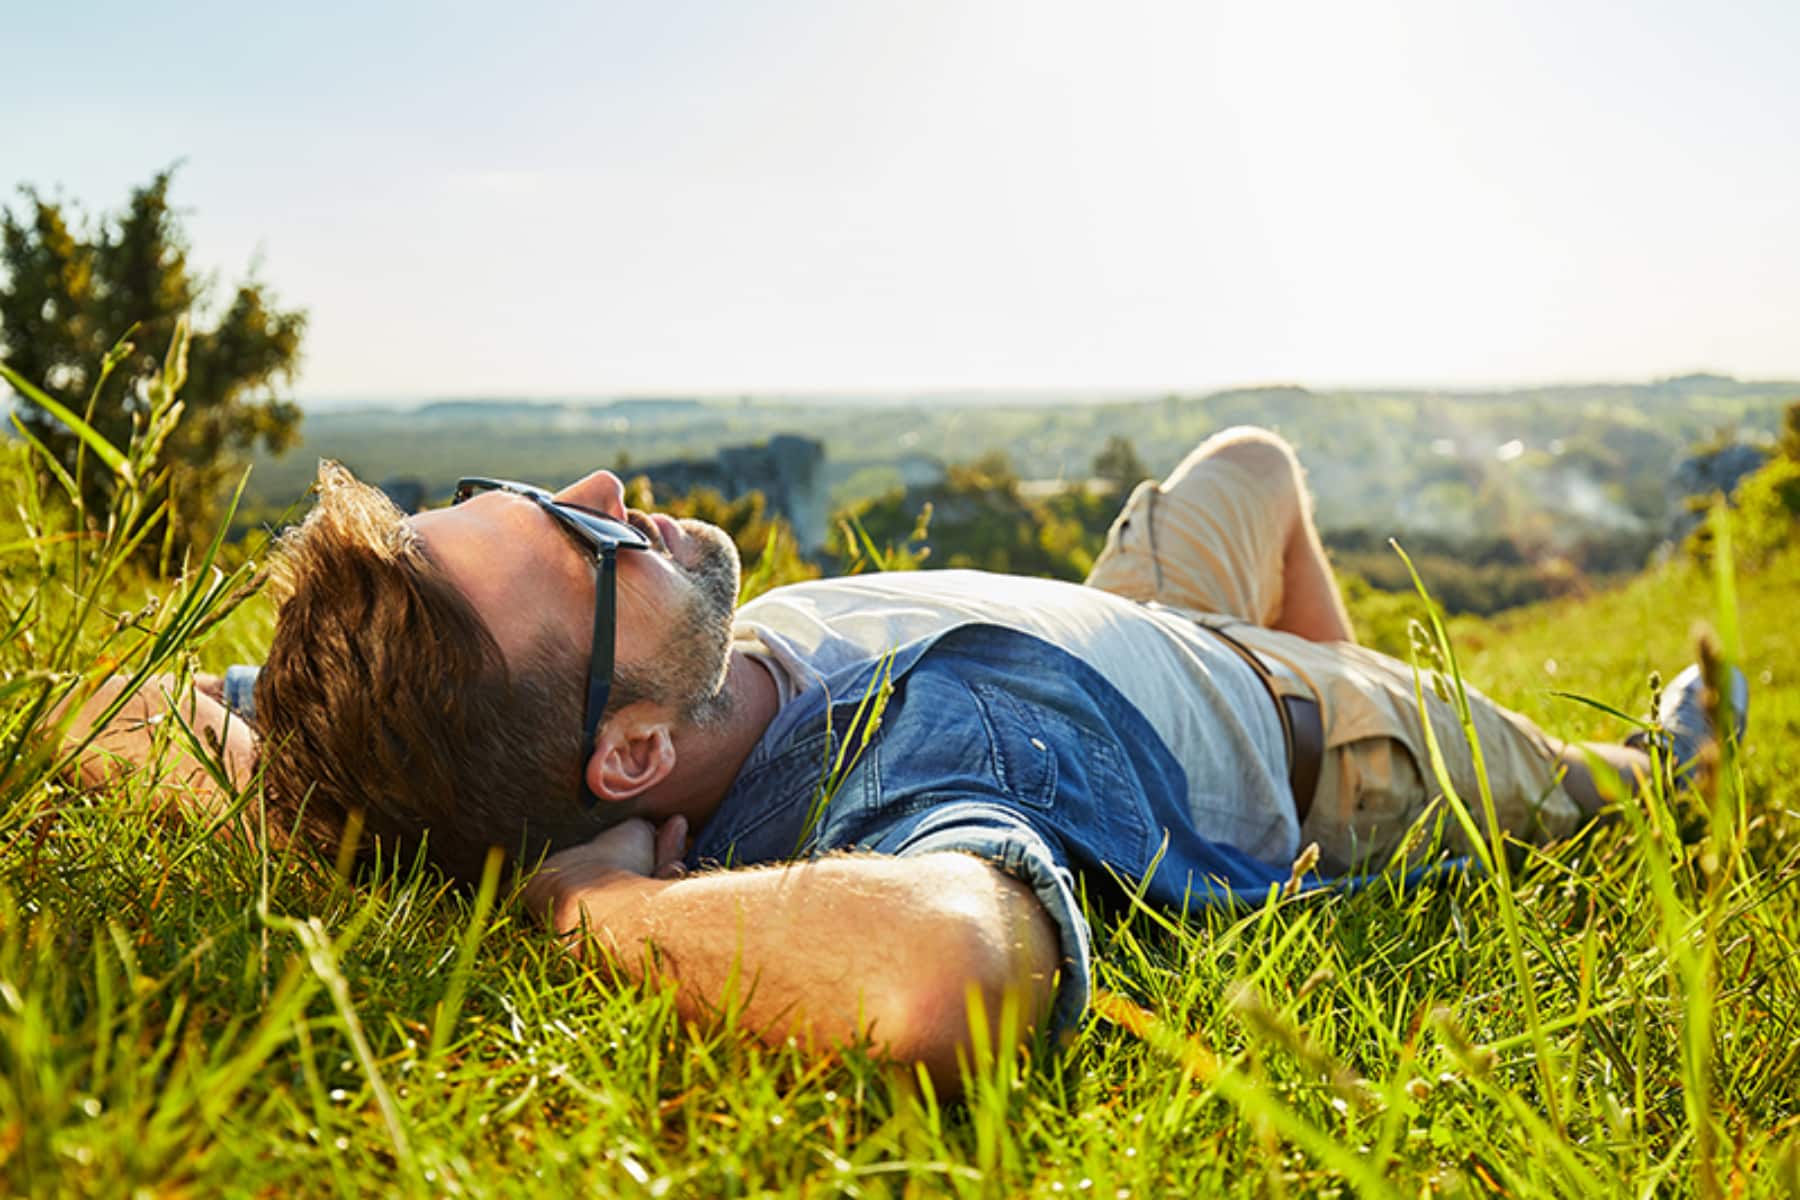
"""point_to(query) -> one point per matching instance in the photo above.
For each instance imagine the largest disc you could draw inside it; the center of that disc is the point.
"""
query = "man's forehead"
(509, 563)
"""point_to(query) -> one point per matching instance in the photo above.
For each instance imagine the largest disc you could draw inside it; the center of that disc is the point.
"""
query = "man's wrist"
(606, 903)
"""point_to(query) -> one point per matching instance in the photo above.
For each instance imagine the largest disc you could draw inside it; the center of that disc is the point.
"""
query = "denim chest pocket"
(1079, 778)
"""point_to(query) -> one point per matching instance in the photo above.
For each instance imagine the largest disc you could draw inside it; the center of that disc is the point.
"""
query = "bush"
(979, 518)
(1768, 506)
(1767, 503)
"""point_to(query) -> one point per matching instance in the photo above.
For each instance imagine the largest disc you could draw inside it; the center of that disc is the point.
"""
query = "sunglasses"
(601, 537)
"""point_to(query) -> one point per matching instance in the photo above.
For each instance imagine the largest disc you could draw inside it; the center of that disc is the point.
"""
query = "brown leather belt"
(1302, 728)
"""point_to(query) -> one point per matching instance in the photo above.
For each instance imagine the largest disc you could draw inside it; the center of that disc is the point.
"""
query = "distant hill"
(1535, 463)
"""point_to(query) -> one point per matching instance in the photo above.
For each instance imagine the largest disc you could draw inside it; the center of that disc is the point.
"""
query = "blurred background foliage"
(1767, 503)
(71, 286)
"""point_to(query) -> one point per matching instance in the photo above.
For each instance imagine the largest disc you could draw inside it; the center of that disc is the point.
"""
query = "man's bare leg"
(1311, 606)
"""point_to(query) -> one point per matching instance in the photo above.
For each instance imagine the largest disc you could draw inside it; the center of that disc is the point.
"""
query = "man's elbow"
(104, 746)
(128, 740)
(985, 982)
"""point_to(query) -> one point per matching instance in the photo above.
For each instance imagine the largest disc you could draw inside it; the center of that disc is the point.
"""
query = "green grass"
(1619, 1015)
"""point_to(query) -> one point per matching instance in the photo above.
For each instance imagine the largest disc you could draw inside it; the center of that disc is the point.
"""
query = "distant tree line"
(980, 518)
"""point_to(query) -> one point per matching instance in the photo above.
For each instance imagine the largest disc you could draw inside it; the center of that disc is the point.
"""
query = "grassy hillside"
(1605, 646)
(195, 1015)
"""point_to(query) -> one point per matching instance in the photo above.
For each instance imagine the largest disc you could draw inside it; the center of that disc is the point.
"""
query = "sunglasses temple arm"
(600, 668)
(600, 663)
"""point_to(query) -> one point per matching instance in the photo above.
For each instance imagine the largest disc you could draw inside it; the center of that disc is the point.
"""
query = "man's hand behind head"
(632, 847)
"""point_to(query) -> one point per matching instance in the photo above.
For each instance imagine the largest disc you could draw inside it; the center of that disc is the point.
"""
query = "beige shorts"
(1210, 539)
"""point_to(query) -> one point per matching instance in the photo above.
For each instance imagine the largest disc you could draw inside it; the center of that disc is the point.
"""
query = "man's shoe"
(1682, 714)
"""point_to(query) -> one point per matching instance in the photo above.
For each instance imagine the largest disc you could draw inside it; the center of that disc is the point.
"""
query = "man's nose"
(602, 491)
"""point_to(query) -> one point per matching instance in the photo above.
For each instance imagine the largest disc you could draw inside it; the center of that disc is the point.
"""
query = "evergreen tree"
(1118, 463)
(67, 294)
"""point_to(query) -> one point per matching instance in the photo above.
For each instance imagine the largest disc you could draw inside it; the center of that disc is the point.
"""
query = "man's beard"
(688, 672)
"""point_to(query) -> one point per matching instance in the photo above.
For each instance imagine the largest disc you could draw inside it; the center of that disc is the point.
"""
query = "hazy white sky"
(543, 199)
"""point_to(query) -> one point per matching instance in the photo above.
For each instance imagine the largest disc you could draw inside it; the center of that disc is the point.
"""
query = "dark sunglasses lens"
(603, 526)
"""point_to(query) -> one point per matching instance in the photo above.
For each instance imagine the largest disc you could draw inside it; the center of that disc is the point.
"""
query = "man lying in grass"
(849, 802)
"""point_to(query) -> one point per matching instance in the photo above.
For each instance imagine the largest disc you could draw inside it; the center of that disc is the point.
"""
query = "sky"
(540, 199)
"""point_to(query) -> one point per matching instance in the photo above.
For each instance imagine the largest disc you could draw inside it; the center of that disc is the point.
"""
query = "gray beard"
(688, 675)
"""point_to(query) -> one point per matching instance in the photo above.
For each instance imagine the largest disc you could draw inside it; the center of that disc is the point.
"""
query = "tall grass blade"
(104, 450)
(1510, 921)
(443, 1024)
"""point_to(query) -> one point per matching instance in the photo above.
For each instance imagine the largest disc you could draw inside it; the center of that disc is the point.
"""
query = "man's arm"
(129, 740)
(829, 951)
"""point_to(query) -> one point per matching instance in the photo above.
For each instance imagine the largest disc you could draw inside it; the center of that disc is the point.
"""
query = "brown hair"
(385, 693)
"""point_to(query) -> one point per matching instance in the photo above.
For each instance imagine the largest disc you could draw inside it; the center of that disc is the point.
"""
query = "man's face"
(531, 583)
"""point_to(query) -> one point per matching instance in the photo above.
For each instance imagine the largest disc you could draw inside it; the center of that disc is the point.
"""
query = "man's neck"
(708, 760)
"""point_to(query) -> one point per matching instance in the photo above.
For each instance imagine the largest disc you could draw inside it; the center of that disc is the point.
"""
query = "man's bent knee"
(1262, 454)
(1255, 449)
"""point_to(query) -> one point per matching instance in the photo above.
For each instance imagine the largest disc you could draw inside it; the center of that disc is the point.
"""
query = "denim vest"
(996, 743)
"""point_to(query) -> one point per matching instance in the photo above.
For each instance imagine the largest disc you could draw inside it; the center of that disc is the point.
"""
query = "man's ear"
(634, 751)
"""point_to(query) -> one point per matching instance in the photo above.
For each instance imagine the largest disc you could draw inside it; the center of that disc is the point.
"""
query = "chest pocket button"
(1020, 736)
